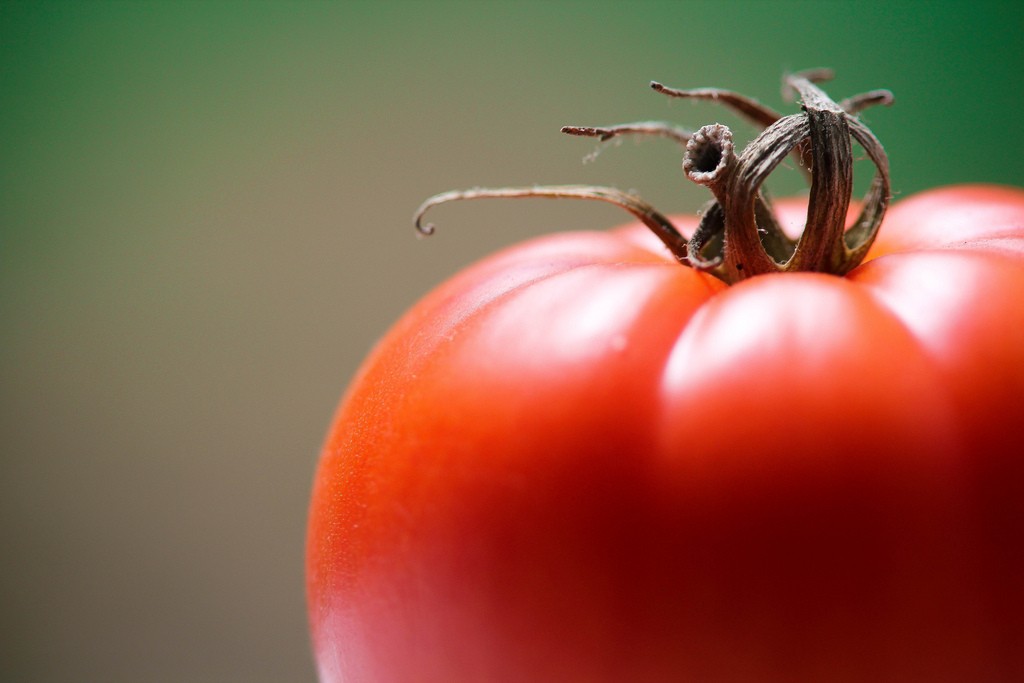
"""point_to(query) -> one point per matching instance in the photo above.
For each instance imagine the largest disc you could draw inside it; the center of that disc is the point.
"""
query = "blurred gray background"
(205, 224)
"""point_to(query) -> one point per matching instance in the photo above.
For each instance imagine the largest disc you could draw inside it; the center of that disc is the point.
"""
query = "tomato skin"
(580, 461)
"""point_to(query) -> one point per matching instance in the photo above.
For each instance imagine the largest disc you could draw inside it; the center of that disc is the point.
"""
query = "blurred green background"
(205, 224)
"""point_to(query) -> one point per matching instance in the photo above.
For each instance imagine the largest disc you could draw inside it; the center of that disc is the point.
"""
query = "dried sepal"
(749, 108)
(640, 128)
(644, 212)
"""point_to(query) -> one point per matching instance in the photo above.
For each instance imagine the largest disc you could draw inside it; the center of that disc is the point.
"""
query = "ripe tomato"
(579, 460)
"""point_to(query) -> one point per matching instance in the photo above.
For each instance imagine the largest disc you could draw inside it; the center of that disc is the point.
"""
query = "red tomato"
(579, 460)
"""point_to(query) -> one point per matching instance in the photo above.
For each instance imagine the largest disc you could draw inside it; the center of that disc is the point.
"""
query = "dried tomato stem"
(710, 158)
(825, 131)
(643, 211)
(739, 236)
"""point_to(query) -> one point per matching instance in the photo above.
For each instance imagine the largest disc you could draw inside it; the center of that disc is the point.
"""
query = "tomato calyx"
(738, 235)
